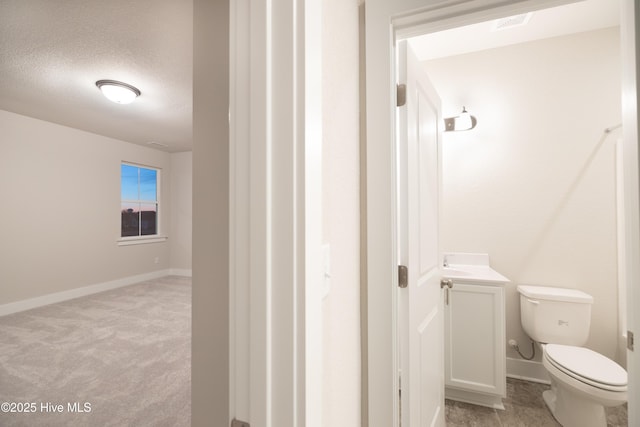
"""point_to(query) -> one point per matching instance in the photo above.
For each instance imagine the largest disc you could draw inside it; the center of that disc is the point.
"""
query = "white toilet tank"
(555, 315)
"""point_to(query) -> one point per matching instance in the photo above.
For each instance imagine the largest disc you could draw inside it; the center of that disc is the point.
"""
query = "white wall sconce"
(118, 92)
(464, 121)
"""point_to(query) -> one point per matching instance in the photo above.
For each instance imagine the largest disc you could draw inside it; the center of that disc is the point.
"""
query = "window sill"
(142, 240)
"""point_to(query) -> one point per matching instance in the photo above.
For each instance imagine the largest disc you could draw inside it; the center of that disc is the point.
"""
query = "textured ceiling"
(53, 52)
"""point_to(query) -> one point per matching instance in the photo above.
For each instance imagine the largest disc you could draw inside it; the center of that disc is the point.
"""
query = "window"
(139, 200)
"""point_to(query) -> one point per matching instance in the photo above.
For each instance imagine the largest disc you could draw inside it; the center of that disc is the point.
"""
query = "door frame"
(275, 235)
(385, 22)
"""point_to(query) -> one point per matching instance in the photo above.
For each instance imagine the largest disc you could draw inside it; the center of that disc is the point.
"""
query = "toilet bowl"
(583, 382)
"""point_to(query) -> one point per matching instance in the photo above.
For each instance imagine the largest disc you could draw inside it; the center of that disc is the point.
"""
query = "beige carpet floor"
(118, 358)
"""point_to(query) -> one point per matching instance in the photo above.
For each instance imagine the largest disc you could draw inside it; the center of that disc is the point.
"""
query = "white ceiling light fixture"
(118, 92)
(159, 144)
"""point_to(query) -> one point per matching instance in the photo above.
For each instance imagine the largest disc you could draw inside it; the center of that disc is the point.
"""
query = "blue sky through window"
(138, 183)
(129, 180)
(148, 184)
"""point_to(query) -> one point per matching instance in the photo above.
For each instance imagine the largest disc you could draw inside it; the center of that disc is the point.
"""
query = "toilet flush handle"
(533, 302)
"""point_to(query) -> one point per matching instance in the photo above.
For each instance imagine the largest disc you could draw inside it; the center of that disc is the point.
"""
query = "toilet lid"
(588, 364)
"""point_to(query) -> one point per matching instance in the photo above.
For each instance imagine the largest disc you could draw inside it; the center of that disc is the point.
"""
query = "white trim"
(268, 191)
(528, 370)
(28, 304)
(182, 272)
(312, 368)
(140, 165)
(622, 257)
(141, 240)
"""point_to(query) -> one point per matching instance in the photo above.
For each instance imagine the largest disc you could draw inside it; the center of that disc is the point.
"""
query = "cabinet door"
(475, 334)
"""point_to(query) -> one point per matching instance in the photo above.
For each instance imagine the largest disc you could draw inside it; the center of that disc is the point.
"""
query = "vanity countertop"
(473, 273)
(471, 268)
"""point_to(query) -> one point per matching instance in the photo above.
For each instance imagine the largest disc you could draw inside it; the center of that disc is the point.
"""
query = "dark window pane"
(129, 182)
(130, 220)
(148, 219)
(148, 184)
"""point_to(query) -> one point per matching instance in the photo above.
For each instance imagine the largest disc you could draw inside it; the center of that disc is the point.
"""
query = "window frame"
(146, 238)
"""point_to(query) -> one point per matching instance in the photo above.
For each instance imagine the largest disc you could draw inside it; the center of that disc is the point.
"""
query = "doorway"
(531, 185)
(432, 19)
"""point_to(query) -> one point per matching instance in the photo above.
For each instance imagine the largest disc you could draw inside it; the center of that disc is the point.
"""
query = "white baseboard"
(180, 272)
(527, 370)
(28, 304)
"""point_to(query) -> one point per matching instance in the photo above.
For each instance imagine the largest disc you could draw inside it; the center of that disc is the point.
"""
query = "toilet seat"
(587, 366)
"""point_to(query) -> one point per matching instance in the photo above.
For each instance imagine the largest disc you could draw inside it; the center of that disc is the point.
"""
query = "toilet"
(583, 381)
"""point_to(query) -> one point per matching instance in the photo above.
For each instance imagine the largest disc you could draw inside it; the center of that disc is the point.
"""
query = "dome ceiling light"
(118, 92)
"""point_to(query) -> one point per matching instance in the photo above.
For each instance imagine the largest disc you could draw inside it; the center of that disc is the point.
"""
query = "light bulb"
(463, 121)
(118, 92)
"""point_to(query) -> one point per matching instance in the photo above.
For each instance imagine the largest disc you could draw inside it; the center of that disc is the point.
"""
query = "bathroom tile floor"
(524, 407)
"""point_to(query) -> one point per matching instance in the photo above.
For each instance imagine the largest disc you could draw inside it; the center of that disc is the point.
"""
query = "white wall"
(181, 210)
(60, 218)
(341, 225)
(534, 184)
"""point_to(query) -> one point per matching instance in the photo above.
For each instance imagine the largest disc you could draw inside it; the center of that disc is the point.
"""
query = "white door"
(631, 99)
(420, 311)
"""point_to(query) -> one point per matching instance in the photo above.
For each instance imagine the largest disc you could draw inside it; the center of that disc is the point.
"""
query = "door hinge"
(630, 340)
(403, 276)
(236, 423)
(401, 95)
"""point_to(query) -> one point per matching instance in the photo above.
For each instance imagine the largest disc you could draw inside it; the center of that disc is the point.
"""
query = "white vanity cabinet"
(475, 354)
